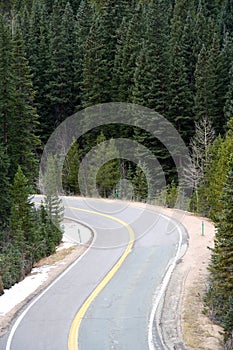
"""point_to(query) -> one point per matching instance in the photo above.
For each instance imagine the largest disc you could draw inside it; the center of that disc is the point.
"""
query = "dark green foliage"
(151, 73)
(11, 265)
(22, 146)
(4, 186)
(128, 47)
(71, 169)
(220, 293)
(140, 183)
(7, 78)
(81, 30)
(180, 89)
(52, 202)
(99, 55)
(21, 208)
(211, 85)
(60, 72)
(228, 109)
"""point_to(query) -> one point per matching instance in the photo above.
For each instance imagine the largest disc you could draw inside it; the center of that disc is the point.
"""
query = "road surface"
(119, 314)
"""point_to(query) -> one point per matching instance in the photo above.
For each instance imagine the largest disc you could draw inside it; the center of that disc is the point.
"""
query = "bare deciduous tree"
(200, 154)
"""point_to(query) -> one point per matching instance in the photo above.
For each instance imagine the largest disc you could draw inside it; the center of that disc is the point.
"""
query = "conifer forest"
(58, 57)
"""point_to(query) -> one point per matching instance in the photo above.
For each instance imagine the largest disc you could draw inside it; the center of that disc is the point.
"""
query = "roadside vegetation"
(58, 57)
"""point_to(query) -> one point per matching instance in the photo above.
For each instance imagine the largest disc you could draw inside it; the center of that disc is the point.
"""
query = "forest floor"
(197, 330)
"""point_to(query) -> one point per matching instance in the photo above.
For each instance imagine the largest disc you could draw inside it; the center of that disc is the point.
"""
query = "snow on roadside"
(21, 290)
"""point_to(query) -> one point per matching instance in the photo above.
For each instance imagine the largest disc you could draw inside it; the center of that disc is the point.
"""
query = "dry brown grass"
(197, 327)
(56, 257)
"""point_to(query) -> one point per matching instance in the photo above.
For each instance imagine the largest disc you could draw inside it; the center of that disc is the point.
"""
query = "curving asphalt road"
(120, 316)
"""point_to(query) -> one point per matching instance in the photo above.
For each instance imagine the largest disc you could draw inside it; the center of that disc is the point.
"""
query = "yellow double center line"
(73, 335)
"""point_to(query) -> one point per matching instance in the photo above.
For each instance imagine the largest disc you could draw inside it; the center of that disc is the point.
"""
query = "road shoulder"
(182, 319)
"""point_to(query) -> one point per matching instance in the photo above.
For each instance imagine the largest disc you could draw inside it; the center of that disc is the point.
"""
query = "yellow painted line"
(73, 335)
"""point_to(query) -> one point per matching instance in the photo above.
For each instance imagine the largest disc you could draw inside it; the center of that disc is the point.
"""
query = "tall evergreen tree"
(60, 73)
(4, 186)
(23, 145)
(7, 78)
(151, 73)
(228, 108)
(180, 92)
(99, 55)
(128, 47)
(216, 172)
(221, 278)
(211, 85)
(82, 28)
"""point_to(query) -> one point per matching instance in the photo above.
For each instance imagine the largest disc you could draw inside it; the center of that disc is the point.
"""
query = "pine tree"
(140, 183)
(60, 73)
(221, 278)
(21, 211)
(227, 17)
(23, 145)
(216, 172)
(82, 28)
(128, 47)
(100, 172)
(52, 202)
(205, 27)
(7, 86)
(180, 92)
(99, 56)
(37, 43)
(109, 174)
(211, 85)
(151, 73)
(71, 169)
(228, 108)
(4, 187)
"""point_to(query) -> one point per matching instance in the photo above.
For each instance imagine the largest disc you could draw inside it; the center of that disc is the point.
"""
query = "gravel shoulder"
(182, 319)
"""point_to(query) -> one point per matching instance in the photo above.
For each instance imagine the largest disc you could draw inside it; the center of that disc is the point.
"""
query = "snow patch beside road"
(73, 231)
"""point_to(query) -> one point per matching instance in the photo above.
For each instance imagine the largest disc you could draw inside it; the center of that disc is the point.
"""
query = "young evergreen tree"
(140, 183)
(71, 169)
(52, 202)
(109, 174)
(216, 172)
(21, 211)
(101, 172)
